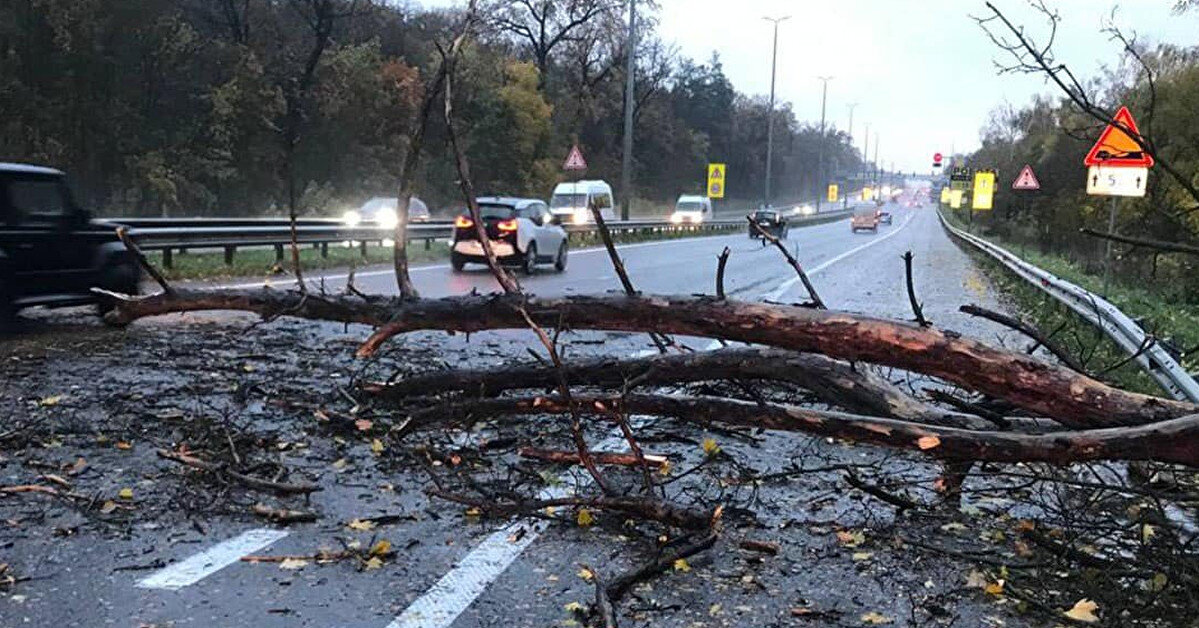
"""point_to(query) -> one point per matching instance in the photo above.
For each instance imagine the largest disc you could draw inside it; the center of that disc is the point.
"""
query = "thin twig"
(816, 302)
(916, 308)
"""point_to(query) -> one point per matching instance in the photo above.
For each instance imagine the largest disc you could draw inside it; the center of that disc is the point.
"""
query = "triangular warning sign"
(1026, 180)
(1116, 147)
(575, 161)
(716, 173)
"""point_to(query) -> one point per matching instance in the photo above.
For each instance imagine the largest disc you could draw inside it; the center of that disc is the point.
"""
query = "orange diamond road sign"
(1116, 148)
(1026, 180)
(575, 161)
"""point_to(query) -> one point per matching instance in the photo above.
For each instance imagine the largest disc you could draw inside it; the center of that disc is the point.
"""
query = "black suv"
(771, 221)
(51, 252)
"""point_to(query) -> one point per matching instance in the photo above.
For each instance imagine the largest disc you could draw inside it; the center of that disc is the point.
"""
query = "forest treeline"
(244, 107)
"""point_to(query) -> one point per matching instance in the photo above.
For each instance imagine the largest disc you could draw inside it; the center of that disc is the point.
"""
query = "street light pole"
(865, 155)
(626, 161)
(774, 57)
(821, 182)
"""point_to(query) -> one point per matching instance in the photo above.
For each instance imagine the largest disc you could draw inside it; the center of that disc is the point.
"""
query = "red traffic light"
(937, 157)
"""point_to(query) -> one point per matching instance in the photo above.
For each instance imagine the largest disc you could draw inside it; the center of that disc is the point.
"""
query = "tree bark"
(1172, 441)
(1046, 389)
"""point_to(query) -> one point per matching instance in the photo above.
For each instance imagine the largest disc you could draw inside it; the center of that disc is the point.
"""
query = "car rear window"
(500, 212)
(765, 215)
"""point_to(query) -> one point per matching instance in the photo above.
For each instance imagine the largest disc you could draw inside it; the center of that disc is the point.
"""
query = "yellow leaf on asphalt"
(473, 512)
(584, 517)
(340, 464)
(681, 564)
(876, 619)
(928, 442)
(293, 563)
(665, 468)
(50, 401)
(1158, 583)
(362, 525)
(1084, 611)
(108, 507)
(860, 556)
(373, 563)
(995, 588)
(380, 548)
(125, 493)
(851, 539)
(710, 447)
(377, 446)
(573, 607)
(1147, 532)
(586, 574)
(122, 444)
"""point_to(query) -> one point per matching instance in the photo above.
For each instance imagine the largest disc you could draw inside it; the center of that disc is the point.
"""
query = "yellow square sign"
(945, 194)
(984, 190)
(867, 194)
(833, 192)
(955, 199)
(716, 174)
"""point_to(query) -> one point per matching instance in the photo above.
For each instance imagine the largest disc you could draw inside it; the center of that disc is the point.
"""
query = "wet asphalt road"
(858, 272)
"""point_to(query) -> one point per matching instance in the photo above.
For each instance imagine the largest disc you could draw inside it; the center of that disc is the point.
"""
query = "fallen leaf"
(573, 607)
(586, 574)
(976, 580)
(665, 468)
(584, 517)
(1147, 532)
(1084, 611)
(860, 556)
(953, 526)
(293, 563)
(50, 401)
(249, 368)
(995, 588)
(340, 464)
(928, 442)
(361, 525)
(372, 563)
(108, 507)
(1158, 582)
(681, 564)
(124, 444)
(363, 425)
(710, 447)
(473, 512)
(380, 548)
(377, 446)
(714, 610)
(876, 619)
(80, 465)
(125, 493)
(851, 539)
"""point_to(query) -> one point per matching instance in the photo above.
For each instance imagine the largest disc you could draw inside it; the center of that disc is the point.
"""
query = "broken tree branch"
(1157, 245)
(1029, 330)
(123, 234)
(803, 277)
(721, 262)
(916, 308)
(1035, 385)
(247, 481)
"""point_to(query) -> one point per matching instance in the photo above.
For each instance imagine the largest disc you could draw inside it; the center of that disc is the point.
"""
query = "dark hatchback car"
(51, 252)
(771, 221)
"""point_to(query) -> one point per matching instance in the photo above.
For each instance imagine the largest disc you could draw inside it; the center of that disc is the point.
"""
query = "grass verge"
(1159, 315)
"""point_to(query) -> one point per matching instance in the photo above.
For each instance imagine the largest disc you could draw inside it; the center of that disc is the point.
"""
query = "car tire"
(530, 261)
(560, 261)
(457, 263)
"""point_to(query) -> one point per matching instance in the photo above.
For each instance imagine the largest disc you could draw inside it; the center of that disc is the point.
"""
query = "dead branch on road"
(1042, 388)
(1029, 330)
(251, 482)
(803, 277)
(1157, 245)
(916, 308)
(136, 251)
(721, 262)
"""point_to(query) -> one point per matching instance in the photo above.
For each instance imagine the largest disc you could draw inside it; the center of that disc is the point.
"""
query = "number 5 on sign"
(984, 190)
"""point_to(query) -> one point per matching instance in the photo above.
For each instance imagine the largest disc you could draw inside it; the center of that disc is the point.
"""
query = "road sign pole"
(1107, 256)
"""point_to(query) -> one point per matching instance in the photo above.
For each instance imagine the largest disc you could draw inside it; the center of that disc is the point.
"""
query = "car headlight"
(676, 218)
(387, 218)
(351, 218)
(580, 216)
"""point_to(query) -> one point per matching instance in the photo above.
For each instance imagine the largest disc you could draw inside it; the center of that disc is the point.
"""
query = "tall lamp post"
(626, 161)
(774, 58)
(821, 178)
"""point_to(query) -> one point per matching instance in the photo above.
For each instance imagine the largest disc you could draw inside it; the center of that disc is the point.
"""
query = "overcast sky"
(921, 71)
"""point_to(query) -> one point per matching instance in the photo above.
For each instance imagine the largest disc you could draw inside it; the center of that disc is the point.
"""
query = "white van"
(691, 209)
(571, 202)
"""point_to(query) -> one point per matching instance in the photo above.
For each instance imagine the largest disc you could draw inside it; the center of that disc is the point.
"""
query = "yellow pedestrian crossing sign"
(716, 174)
(833, 192)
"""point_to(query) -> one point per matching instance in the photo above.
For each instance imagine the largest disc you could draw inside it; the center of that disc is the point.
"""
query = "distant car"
(572, 201)
(381, 211)
(864, 218)
(51, 252)
(522, 232)
(884, 217)
(770, 220)
(691, 210)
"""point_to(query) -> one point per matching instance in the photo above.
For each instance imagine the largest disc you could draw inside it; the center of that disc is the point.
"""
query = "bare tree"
(544, 25)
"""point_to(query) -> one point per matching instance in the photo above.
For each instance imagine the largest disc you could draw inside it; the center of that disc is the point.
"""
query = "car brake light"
(507, 225)
(462, 222)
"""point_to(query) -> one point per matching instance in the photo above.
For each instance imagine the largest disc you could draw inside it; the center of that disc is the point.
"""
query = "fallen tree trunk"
(834, 382)
(1028, 382)
(1171, 441)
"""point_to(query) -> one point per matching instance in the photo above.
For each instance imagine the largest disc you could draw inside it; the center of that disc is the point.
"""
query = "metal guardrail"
(1151, 356)
(181, 234)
